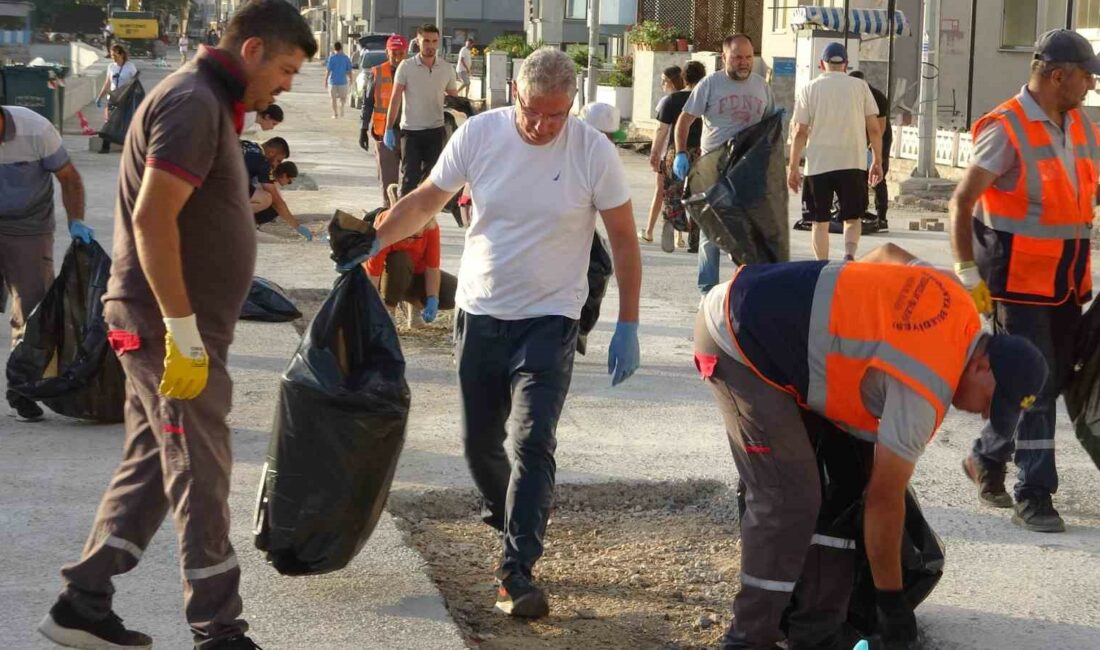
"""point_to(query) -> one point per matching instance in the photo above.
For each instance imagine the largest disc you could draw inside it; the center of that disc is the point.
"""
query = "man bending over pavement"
(263, 189)
(409, 272)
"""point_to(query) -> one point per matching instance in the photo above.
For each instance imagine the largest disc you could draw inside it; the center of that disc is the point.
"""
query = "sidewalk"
(1003, 587)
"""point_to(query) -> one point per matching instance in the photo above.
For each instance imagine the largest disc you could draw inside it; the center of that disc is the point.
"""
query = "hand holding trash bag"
(896, 622)
(77, 230)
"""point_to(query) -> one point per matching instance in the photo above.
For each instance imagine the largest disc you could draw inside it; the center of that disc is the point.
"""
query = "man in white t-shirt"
(538, 177)
(464, 66)
(185, 43)
(834, 116)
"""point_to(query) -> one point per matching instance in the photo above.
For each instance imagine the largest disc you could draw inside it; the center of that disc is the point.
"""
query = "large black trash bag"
(64, 359)
(268, 302)
(339, 430)
(1083, 390)
(599, 274)
(123, 103)
(738, 195)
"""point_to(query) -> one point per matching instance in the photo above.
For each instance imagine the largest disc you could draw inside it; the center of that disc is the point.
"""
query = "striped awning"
(872, 22)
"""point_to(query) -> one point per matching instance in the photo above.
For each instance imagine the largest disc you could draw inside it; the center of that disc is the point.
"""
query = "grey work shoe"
(990, 482)
(65, 627)
(668, 237)
(1037, 514)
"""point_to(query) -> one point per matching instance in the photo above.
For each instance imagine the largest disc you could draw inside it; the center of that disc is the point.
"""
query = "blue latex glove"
(390, 139)
(304, 232)
(680, 165)
(99, 102)
(431, 309)
(623, 356)
(862, 645)
(79, 231)
(374, 248)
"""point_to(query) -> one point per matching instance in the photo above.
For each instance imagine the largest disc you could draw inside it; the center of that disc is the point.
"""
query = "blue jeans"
(1052, 329)
(709, 257)
(521, 368)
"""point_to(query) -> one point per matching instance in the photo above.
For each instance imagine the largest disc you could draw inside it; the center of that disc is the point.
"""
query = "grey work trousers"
(177, 459)
(781, 556)
(26, 269)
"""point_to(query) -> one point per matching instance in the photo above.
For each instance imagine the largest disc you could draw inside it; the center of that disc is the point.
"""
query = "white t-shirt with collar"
(534, 213)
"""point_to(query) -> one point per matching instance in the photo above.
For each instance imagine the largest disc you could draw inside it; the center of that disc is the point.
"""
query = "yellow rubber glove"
(185, 362)
(968, 275)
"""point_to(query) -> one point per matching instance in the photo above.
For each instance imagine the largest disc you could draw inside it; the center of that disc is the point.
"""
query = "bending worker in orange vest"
(376, 103)
(1024, 253)
(879, 351)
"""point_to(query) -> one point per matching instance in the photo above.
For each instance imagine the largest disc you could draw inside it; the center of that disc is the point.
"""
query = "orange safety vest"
(383, 90)
(839, 320)
(1038, 250)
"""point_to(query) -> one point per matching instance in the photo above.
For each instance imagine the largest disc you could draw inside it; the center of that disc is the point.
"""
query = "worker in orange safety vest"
(877, 350)
(1020, 227)
(376, 103)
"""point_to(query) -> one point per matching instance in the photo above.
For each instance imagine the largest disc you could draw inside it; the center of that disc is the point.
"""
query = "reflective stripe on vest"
(916, 324)
(1044, 204)
(383, 90)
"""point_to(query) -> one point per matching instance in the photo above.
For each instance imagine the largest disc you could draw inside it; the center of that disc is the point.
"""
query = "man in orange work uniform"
(376, 103)
(1024, 254)
(879, 350)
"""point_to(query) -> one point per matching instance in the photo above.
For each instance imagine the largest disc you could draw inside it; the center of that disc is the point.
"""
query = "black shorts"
(849, 186)
(267, 215)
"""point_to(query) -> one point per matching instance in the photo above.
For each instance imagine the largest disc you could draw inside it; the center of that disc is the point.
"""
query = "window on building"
(1088, 14)
(576, 9)
(781, 14)
(1019, 23)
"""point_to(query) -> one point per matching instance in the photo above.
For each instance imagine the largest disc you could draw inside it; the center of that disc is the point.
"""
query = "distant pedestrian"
(882, 197)
(120, 71)
(538, 179)
(31, 156)
(418, 89)
(835, 116)
(729, 101)
(672, 82)
(376, 104)
(464, 67)
(184, 255)
(338, 77)
(185, 44)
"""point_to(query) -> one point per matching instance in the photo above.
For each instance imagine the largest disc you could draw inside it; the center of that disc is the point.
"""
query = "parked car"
(367, 60)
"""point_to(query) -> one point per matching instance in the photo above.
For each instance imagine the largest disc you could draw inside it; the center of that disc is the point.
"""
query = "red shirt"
(422, 248)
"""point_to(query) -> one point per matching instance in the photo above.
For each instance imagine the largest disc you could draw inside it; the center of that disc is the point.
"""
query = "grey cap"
(1067, 46)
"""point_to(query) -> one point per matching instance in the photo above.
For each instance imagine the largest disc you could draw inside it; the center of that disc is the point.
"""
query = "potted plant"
(681, 40)
(618, 88)
(650, 35)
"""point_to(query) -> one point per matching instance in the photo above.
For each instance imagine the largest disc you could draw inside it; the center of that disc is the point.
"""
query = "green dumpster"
(37, 88)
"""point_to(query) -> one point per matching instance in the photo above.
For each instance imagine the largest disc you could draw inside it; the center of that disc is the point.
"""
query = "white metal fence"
(953, 149)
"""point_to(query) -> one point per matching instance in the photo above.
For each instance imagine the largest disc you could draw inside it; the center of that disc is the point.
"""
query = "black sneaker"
(849, 258)
(517, 596)
(1037, 514)
(25, 409)
(990, 482)
(236, 642)
(65, 627)
(883, 226)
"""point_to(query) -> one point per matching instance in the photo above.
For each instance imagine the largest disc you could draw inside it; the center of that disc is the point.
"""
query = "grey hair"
(1045, 68)
(547, 71)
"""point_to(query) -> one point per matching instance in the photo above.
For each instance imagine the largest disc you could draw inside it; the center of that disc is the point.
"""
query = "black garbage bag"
(738, 195)
(599, 274)
(1082, 393)
(121, 107)
(64, 359)
(268, 302)
(339, 430)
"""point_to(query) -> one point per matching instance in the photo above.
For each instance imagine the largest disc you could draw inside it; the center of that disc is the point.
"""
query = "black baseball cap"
(1067, 46)
(1020, 370)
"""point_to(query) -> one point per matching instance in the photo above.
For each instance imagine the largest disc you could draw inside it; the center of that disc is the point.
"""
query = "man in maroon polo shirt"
(184, 252)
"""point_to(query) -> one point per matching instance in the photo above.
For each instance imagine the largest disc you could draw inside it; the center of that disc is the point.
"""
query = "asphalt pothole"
(627, 565)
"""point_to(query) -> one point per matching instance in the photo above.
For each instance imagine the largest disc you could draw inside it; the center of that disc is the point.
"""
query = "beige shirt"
(422, 105)
(835, 107)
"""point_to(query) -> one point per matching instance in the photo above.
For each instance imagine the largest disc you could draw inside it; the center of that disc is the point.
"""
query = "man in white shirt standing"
(538, 177)
(464, 67)
(834, 116)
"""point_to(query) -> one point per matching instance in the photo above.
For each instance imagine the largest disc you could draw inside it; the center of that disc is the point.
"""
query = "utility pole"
(593, 45)
(1069, 14)
(926, 156)
(371, 25)
(439, 19)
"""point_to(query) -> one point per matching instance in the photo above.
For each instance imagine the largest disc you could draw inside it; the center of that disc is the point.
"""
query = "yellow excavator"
(136, 29)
